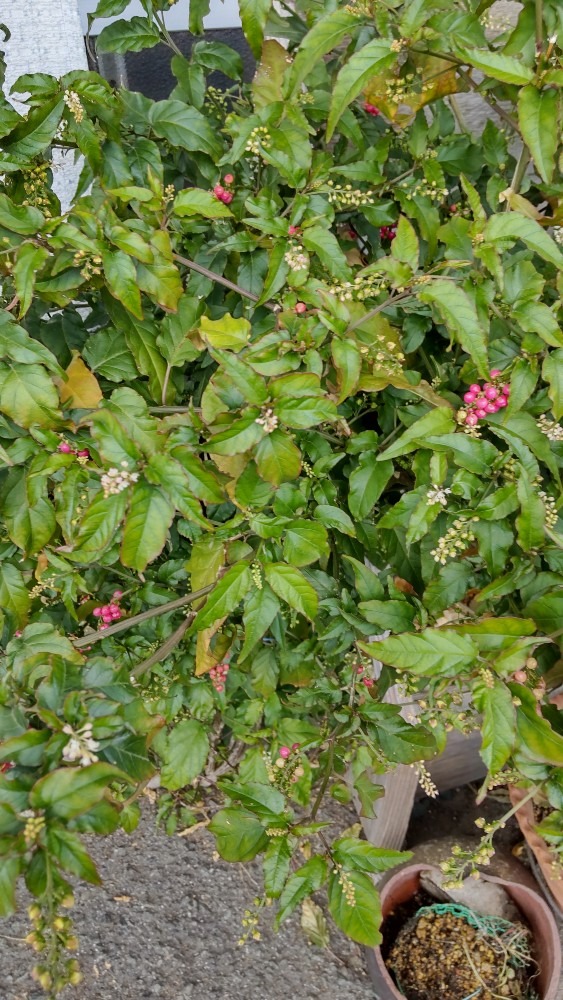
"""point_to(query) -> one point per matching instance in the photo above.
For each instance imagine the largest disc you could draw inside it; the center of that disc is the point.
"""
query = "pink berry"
(520, 676)
(228, 178)
(218, 191)
(83, 453)
(368, 681)
(295, 746)
(371, 109)
(97, 612)
(501, 401)
(113, 608)
(506, 390)
(227, 197)
(472, 419)
(116, 614)
(453, 208)
(219, 688)
(65, 448)
(494, 372)
(491, 392)
(293, 230)
(285, 752)
(300, 308)
(481, 413)
(476, 388)
(491, 408)
(104, 625)
(469, 397)
(117, 594)
(18, 632)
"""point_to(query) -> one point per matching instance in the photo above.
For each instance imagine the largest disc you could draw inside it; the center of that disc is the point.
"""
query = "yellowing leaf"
(205, 659)
(81, 388)
(435, 79)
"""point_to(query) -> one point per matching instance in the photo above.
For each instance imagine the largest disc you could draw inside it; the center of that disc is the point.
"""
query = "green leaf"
(27, 395)
(142, 342)
(324, 244)
(473, 455)
(185, 754)
(278, 459)
(261, 607)
(353, 853)
(129, 754)
(263, 799)
(67, 848)
(367, 582)
(226, 332)
(254, 14)
(185, 127)
(449, 587)
(367, 483)
(509, 227)
(552, 371)
(98, 527)
(397, 616)
(146, 526)
(290, 584)
(225, 597)
(304, 542)
(121, 278)
(498, 726)
(432, 652)
(9, 872)
(251, 385)
(276, 866)
(21, 219)
(128, 36)
(194, 201)
(239, 834)
(366, 62)
(107, 354)
(437, 421)
(14, 595)
(334, 517)
(531, 521)
(307, 412)
(460, 317)
(360, 915)
(268, 79)
(239, 437)
(70, 791)
(198, 10)
(500, 67)
(348, 363)
(35, 132)
(400, 741)
(535, 735)
(405, 245)
(300, 884)
(29, 261)
(323, 38)
(546, 611)
(538, 117)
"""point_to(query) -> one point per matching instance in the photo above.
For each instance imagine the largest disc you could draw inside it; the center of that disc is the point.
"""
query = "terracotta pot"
(539, 848)
(405, 882)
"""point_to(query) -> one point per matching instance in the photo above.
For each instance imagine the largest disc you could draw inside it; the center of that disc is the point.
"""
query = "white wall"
(222, 14)
(46, 37)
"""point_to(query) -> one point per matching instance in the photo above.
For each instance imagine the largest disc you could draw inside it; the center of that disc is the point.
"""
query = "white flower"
(296, 259)
(115, 480)
(267, 420)
(438, 494)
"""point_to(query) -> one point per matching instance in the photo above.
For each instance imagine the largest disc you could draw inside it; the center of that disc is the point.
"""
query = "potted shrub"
(283, 330)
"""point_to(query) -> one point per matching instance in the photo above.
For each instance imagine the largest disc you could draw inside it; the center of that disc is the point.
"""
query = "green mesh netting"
(508, 936)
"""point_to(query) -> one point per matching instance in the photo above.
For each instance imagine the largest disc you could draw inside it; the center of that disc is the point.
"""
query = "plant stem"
(164, 650)
(167, 36)
(215, 277)
(519, 172)
(373, 312)
(489, 99)
(539, 27)
(326, 776)
(87, 640)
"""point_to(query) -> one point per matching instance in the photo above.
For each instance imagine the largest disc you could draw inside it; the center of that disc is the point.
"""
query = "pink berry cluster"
(222, 193)
(370, 109)
(482, 400)
(388, 232)
(366, 681)
(109, 613)
(218, 676)
(66, 449)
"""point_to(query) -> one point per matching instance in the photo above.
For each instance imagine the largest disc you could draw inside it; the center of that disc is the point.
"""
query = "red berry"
(491, 392)
(293, 230)
(453, 208)
(228, 178)
(491, 408)
(371, 109)
(501, 401)
(481, 413)
(97, 612)
(65, 448)
(520, 676)
(117, 594)
(368, 681)
(300, 308)
(83, 453)
(476, 388)
(295, 746)
(506, 390)
(285, 752)
(227, 197)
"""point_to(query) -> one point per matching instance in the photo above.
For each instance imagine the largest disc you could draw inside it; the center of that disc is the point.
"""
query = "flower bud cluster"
(258, 140)
(224, 194)
(35, 185)
(296, 258)
(483, 400)
(74, 105)
(218, 676)
(256, 574)
(287, 768)
(551, 515)
(364, 286)
(267, 419)
(52, 935)
(455, 541)
(116, 480)
(34, 826)
(425, 779)
(424, 189)
(89, 264)
(438, 494)
(348, 887)
(80, 747)
(552, 430)
(345, 196)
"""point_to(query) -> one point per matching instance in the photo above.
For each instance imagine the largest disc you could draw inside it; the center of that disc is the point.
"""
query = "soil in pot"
(446, 952)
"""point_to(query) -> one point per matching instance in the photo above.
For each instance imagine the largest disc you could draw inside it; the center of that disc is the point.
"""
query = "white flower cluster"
(438, 494)
(425, 779)
(267, 420)
(363, 287)
(550, 428)
(454, 542)
(345, 196)
(551, 515)
(74, 105)
(296, 259)
(80, 746)
(117, 480)
(258, 139)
